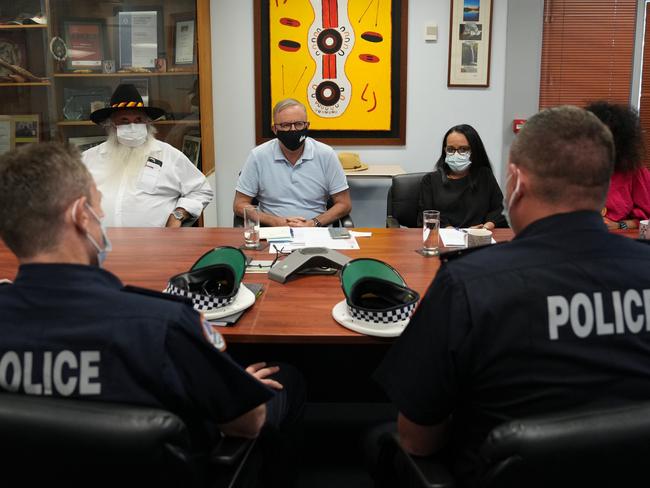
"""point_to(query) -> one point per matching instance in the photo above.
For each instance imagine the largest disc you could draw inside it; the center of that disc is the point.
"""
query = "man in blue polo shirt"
(293, 176)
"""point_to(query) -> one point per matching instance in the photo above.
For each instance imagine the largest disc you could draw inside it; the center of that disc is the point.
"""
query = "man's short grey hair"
(286, 103)
(570, 154)
(37, 183)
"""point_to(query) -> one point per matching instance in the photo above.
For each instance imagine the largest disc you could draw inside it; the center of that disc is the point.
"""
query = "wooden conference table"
(298, 312)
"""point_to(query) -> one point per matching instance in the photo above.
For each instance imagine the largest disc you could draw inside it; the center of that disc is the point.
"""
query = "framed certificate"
(140, 37)
(184, 40)
(85, 41)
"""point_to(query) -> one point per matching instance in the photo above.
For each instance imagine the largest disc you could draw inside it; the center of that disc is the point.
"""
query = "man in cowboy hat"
(293, 176)
(145, 182)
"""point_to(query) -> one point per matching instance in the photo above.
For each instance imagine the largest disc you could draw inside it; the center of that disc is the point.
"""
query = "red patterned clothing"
(629, 196)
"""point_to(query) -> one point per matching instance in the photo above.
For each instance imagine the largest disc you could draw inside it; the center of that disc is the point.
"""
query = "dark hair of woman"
(478, 155)
(623, 122)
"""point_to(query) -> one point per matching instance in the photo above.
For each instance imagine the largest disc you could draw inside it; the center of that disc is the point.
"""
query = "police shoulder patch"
(212, 335)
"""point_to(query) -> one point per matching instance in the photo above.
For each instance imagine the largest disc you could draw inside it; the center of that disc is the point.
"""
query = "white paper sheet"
(313, 237)
(275, 232)
(455, 237)
(452, 237)
(144, 38)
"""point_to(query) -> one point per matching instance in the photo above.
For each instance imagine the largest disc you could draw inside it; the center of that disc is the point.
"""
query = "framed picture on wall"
(26, 128)
(140, 37)
(183, 41)
(192, 148)
(85, 40)
(345, 61)
(470, 35)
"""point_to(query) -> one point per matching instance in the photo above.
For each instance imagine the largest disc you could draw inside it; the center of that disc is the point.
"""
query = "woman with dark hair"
(462, 185)
(628, 199)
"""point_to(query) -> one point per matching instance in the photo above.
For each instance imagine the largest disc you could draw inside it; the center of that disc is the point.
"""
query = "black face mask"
(292, 139)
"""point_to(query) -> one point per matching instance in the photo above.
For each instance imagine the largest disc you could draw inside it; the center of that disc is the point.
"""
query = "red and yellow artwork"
(337, 57)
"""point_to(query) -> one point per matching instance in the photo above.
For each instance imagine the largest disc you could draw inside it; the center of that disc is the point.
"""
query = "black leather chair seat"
(588, 448)
(66, 442)
(402, 200)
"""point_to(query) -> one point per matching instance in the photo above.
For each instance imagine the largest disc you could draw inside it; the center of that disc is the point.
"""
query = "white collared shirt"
(145, 196)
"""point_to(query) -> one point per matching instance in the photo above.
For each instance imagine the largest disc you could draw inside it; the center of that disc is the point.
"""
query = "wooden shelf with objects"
(61, 59)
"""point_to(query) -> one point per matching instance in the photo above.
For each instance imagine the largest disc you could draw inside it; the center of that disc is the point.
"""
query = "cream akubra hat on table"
(351, 162)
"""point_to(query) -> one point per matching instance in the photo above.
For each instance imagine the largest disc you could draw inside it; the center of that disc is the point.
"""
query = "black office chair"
(402, 200)
(86, 443)
(345, 221)
(595, 448)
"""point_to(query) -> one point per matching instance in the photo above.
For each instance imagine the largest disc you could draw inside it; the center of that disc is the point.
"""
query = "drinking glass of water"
(430, 228)
(251, 227)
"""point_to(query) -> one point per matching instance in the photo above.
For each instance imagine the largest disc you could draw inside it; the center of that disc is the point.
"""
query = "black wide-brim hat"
(125, 96)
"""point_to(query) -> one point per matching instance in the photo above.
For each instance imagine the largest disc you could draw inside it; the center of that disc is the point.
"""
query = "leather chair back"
(77, 443)
(402, 200)
(591, 448)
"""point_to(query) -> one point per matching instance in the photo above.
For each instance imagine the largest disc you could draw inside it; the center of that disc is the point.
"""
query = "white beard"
(126, 162)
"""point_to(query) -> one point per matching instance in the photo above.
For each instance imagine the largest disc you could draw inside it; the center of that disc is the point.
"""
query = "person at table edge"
(293, 176)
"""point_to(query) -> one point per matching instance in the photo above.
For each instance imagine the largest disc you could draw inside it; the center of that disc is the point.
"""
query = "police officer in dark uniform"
(70, 329)
(558, 318)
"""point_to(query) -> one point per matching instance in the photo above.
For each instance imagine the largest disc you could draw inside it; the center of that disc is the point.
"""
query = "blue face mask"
(101, 253)
(458, 162)
(508, 203)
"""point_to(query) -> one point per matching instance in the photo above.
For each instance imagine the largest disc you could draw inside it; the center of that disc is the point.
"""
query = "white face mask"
(457, 162)
(132, 135)
(108, 247)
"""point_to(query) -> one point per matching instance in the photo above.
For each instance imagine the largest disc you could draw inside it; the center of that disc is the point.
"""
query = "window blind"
(587, 51)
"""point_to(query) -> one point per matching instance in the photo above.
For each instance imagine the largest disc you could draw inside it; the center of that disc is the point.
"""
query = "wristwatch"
(622, 224)
(316, 222)
(178, 215)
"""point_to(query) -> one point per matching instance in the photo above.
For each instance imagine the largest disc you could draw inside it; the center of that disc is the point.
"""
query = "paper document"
(455, 237)
(275, 232)
(313, 237)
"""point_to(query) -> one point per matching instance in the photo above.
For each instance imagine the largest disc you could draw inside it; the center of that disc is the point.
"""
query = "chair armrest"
(392, 222)
(424, 472)
(237, 221)
(231, 450)
(346, 221)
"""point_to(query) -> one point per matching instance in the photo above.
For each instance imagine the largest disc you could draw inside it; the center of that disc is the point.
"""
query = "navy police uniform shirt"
(558, 318)
(73, 331)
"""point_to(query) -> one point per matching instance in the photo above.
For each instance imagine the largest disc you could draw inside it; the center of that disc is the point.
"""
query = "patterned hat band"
(381, 302)
(127, 104)
(200, 302)
(386, 318)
